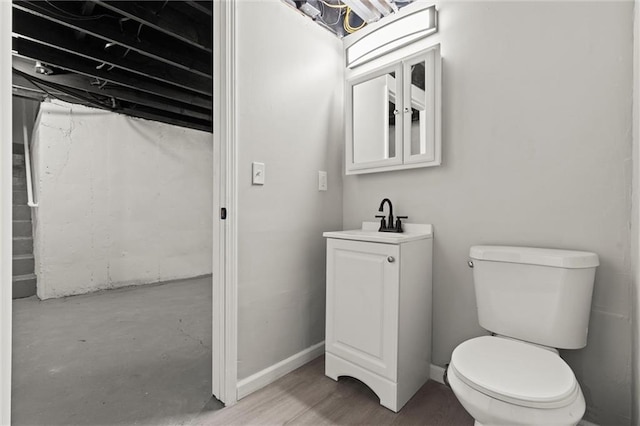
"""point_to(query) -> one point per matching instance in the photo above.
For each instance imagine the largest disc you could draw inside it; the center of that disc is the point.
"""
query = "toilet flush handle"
(470, 263)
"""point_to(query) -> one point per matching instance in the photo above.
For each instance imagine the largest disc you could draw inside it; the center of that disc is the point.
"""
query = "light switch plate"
(322, 180)
(257, 172)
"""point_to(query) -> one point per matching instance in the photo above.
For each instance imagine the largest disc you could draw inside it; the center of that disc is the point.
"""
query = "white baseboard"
(273, 373)
(437, 373)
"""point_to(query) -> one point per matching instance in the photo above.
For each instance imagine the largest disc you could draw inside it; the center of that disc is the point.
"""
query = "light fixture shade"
(410, 24)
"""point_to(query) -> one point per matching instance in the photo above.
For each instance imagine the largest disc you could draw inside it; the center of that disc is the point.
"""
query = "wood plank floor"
(307, 397)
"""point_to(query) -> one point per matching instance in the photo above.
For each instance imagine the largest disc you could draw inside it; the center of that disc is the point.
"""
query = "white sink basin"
(369, 233)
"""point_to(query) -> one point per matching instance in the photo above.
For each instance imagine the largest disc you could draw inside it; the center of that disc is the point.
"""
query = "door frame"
(635, 220)
(5, 212)
(225, 234)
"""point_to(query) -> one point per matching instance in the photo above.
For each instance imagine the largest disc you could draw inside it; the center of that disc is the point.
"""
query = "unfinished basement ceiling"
(344, 17)
(147, 59)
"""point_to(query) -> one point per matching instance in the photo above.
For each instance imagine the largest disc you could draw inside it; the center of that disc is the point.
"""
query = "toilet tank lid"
(535, 256)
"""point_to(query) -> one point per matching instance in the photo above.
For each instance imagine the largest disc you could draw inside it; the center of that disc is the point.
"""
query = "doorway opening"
(81, 111)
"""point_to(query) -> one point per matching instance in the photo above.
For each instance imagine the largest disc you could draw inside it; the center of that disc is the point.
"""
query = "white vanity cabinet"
(378, 326)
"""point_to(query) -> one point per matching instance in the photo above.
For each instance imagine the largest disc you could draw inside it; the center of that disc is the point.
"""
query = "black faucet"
(381, 209)
(386, 224)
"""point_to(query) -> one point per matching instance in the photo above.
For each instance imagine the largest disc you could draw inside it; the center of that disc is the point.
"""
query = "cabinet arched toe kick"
(385, 389)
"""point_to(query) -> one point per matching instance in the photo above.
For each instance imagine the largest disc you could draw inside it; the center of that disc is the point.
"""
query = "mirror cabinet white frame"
(393, 115)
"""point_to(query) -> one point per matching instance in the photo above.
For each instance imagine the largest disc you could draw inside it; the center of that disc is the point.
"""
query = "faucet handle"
(383, 222)
(399, 222)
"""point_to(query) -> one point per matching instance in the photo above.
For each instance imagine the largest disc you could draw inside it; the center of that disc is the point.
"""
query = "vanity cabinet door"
(362, 304)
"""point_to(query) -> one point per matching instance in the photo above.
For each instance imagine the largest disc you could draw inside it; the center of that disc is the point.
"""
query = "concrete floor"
(137, 355)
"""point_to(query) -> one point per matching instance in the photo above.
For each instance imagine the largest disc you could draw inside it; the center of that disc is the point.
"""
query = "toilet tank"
(537, 295)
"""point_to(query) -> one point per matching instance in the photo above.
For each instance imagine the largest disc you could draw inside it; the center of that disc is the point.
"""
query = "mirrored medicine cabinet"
(393, 115)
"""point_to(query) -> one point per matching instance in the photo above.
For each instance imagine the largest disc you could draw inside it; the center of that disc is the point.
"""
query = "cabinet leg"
(389, 403)
(330, 375)
(329, 370)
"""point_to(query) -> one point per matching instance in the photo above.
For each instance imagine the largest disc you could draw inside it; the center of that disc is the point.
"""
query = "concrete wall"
(536, 151)
(289, 87)
(122, 201)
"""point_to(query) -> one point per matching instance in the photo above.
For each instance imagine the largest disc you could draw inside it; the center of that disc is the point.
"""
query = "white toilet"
(533, 301)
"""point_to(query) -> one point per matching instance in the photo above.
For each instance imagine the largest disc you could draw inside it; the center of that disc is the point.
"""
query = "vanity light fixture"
(410, 24)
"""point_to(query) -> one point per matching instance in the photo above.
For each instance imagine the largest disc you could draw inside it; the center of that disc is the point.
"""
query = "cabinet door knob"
(391, 259)
(406, 110)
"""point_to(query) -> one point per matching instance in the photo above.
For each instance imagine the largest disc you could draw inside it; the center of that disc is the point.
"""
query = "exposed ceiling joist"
(87, 10)
(73, 81)
(174, 119)
(178, 26)
(201, 6)
(148, 59)
(195, 63)
(26, 88)
(47, 89)
(47, 33)
(77, 64)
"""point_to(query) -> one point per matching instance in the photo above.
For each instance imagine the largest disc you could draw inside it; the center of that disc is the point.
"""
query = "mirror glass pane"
(419, 123)
(374, 127)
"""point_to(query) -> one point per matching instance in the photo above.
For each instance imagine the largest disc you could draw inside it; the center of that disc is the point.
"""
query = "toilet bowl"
(506, 382)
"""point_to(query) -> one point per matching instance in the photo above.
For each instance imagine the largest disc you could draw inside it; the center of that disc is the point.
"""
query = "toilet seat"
(515, 372)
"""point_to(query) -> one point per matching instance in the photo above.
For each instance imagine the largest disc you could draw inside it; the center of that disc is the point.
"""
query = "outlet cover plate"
(322, 180)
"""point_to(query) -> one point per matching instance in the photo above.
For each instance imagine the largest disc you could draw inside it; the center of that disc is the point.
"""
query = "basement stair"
(24, 278)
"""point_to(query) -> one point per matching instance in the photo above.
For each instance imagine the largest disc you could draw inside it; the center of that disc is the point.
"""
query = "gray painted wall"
(536, 151)
(289, 88)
